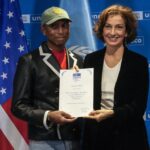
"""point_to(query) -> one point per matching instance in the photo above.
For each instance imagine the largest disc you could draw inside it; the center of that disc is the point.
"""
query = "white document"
(76, 92)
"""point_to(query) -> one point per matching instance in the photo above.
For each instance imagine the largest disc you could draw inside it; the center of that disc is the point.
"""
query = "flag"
(13, 132)
(82, 39)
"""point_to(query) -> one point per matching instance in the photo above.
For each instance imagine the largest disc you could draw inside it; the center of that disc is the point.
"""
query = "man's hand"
(60, 117)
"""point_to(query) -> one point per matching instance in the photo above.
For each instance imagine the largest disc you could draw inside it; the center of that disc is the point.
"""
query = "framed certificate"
(76, 92)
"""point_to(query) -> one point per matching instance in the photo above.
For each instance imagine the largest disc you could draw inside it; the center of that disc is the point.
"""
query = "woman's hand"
(100, 115)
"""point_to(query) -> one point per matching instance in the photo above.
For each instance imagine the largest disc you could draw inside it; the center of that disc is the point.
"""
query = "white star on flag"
(8, 30)
(4, 75)
(21, 48)
(5, 60)
(7, 45)
(22, 33)
(10, 14)
(3, 91)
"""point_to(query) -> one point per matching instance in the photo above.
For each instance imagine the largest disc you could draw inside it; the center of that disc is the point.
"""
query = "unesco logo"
(138, 41)
(35, 18)
(31, 18)
(143, 15)
(26, 18)
(146, 15)
(76, 76)
(94, 17)
(139, 15)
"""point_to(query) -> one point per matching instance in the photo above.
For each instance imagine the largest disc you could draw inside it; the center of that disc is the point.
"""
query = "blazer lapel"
(98, 77)
(72, 61)
(50, 61)
(122, 68)
(121, 75)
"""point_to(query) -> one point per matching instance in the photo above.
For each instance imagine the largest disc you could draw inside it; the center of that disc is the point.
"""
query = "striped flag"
(13, 132)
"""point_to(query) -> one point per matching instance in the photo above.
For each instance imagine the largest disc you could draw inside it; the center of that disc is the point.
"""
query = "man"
(36, 87)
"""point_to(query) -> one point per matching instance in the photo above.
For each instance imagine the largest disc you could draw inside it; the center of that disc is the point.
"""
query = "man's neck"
(56, 47)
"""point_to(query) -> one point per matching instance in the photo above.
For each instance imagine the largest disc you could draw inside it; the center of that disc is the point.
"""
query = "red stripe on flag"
(4, 143)
(20, 125)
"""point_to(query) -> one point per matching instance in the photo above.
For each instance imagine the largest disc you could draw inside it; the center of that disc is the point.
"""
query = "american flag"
(13, 132)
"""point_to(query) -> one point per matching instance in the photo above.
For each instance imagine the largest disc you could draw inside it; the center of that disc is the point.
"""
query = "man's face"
(57, 33)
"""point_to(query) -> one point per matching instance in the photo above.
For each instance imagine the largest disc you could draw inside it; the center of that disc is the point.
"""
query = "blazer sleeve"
(22, 103)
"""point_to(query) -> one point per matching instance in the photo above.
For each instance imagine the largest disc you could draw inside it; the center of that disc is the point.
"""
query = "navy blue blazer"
(126, 129)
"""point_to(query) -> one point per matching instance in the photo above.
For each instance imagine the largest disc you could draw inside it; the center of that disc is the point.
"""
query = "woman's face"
(114, 31)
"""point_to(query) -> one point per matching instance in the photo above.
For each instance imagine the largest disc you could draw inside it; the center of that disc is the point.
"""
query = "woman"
(120, 86)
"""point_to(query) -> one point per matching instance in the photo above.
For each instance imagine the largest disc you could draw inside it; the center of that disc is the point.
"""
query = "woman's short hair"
(127, 14)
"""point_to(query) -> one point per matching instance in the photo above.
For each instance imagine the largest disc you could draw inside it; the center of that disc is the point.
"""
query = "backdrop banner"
(84, 14)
